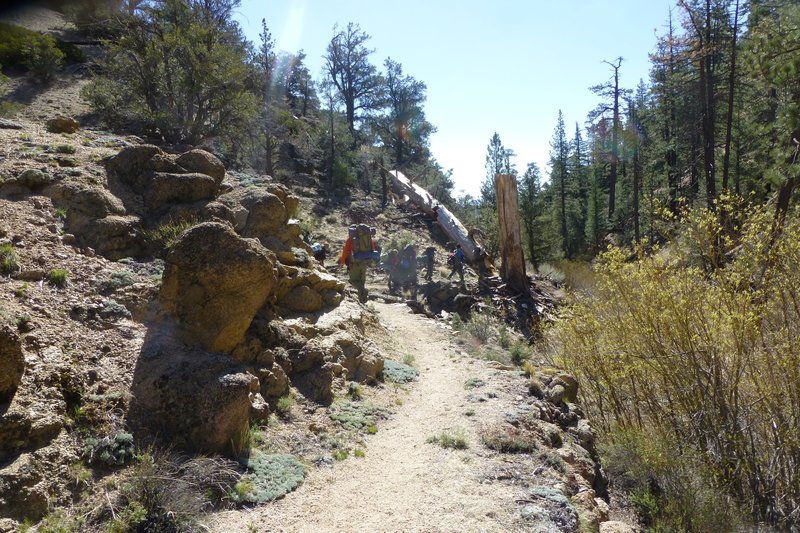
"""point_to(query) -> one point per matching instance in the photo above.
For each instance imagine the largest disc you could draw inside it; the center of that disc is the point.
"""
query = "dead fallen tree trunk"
(429, 205)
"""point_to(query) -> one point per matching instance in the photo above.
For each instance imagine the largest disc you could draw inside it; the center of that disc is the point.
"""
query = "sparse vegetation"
(356, 416)
(506, 438)
(65, 149)
(283, 406)
(164, 235)
(454, 439)
(354, 391)
(269, 477)
(58, 277)
(398, 372)
(9, 261)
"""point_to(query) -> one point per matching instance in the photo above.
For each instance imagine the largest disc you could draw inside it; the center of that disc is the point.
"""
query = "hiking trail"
(404, 483)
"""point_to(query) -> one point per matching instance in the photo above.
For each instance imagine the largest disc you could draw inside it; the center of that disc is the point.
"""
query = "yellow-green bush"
(701, 344)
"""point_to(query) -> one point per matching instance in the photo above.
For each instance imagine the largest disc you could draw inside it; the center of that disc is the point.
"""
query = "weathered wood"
(451, 226)
(512, 266)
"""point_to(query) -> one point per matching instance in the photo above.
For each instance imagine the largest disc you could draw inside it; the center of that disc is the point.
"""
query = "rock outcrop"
(213, 284)
(12, 363)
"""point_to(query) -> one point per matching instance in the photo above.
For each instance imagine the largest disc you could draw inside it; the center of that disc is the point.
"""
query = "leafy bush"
(704, 353)
(117, 280)
(34, 52)
(398, 372)
(9, 261)
(481, 325)
(269, 477)
(283, 407)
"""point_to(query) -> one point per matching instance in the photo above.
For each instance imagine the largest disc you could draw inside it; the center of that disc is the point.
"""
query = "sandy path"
(403, 483)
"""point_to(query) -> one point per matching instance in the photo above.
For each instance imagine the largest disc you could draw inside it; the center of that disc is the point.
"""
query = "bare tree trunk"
(512, 267)
(726, 161)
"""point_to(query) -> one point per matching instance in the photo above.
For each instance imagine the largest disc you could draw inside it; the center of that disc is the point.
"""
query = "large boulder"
(12, 363)
(132, 161)
(164, 188)
(213, 284)
(202, 162)
(115, 237)
(83, 200)
(266, 214)
(196, 400)
(302, 299)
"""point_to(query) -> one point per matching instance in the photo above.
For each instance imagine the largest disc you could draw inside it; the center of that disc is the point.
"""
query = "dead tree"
(429, 205)
(512, 267)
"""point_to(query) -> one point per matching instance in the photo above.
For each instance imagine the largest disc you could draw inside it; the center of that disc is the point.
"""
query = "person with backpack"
(458, 264)
(429, 253)
(358, 252)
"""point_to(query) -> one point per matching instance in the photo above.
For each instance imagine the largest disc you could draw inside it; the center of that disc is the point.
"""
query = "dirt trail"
(403, 483)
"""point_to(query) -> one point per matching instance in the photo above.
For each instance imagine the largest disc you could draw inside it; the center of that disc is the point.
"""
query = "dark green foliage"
(117, 280)
(398, 372)
(269, 477)
(177, 69)
(58, 277)
(40, 55)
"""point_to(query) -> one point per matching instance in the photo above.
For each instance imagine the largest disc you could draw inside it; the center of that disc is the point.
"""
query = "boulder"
(266, 214)
(302, 299)
(316, 384)
(213, 284)
(570, 385)
(12, 363)
(290, 201)
(132, 161)
(274, 381)
(197, 400)
(62, 125)
(82, 199)
(164, 188)
(22, 489)
(115, 237)
(204, 163)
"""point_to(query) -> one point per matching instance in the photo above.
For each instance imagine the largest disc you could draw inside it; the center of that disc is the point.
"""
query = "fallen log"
(429, 205)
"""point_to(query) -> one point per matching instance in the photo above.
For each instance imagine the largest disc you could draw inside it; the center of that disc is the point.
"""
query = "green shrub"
(167, 233)
(398, 372)
(454, 439)
(703, 353)
(519, 352)
(116, 280)
(354, 391)
(269, 477)
(58, 277)
(481, 325)
(283, 407)
(65, 149)
(111, 450)
(9, 260)
(356, 416)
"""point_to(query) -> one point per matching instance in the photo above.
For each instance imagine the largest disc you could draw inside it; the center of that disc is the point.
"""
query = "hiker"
(390, 266)
(406, 270)
(429, 255)
(359, 250)
(320, 252)
(457, 264)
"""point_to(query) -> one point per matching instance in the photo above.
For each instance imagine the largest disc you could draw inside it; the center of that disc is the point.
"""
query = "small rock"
(10, 124)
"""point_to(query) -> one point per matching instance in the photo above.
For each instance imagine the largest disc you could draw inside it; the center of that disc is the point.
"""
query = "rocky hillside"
(160, 311)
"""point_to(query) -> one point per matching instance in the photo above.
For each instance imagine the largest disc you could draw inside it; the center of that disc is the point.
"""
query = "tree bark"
(512, 267)
(726, 160)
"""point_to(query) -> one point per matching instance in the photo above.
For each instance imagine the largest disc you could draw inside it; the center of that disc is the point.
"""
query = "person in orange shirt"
(357, 254)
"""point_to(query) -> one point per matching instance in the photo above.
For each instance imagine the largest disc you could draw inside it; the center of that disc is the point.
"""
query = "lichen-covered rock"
(62, 125)
(12, 363)
(398, 372)
(132, 161)
(115, 237)
(22, 491)
(214, 283)
(273, 380)
(302, 299)
(164, 188)
(266, 214)
(195, 399)
(202, 162)
(82, 199)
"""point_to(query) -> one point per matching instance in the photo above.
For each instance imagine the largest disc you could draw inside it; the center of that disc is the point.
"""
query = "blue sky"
(504, 66)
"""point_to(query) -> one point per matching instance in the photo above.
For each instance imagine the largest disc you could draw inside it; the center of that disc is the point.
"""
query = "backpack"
(361, 234)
